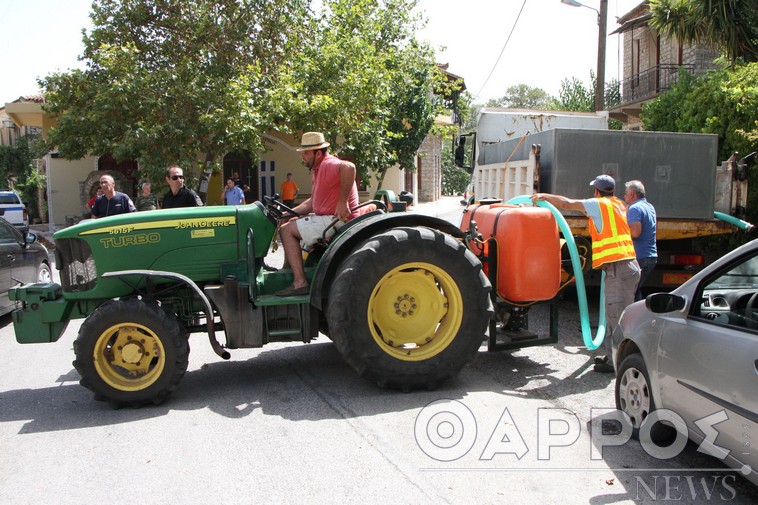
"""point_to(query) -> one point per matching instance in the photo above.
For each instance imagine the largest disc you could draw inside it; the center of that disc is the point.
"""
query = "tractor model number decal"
(116, 230)
(207, 233)
(129, 240)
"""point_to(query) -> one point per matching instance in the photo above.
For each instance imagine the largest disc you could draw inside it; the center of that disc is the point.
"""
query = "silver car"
(687, 362)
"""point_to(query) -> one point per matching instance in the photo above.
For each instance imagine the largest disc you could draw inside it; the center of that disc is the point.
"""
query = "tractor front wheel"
(409, 308)
(131, 352)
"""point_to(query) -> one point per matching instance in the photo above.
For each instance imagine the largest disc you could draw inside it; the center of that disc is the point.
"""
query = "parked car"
(13, 210)
(22, 260)
(694, 352)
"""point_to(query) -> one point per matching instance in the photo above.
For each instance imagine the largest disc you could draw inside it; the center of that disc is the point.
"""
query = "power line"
(501, 51)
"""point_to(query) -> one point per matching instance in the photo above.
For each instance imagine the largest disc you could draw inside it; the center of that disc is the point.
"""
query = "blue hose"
(581, 292)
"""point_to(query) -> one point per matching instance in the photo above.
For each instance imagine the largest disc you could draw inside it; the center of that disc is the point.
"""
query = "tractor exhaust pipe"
(223, 353)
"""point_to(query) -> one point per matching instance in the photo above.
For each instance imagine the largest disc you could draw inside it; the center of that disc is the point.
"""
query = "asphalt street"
(293, 423)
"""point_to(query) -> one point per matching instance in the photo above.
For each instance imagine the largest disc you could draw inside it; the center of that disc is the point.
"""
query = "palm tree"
(729, 25)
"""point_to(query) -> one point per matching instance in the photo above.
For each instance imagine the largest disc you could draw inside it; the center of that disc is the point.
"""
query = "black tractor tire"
(409, 308)
(131, 352)
(634, 397)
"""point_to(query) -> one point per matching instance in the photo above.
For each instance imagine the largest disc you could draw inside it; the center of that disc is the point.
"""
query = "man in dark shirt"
(178, 194)
(111, 202)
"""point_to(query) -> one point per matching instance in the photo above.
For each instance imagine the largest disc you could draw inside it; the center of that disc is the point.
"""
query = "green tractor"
(400, 294)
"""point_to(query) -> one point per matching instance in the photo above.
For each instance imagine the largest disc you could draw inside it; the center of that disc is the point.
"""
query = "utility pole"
(602, 28)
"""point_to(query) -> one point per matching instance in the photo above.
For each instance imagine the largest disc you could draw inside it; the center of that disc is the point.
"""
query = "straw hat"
(312, 140)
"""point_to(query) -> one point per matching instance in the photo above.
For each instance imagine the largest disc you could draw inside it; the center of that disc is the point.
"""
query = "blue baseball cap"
(604, 183)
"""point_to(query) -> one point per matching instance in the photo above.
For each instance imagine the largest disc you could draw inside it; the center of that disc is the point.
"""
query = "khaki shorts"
(311, 228)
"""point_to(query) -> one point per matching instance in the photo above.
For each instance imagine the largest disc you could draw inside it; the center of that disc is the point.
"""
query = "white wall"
(63, 187)
(498, 125)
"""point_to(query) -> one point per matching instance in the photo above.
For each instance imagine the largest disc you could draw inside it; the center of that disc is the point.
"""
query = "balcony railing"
(651, 82)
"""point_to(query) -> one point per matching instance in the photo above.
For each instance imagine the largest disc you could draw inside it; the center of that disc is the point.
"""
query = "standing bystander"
(146, 200)
(248, 193)
(178, 195)
(289, 191)
(233, 195)
(642, 227)
(91, 203)
(111, 202)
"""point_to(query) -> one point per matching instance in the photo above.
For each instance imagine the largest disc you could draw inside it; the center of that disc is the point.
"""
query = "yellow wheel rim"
(129, 357)
(415, 311)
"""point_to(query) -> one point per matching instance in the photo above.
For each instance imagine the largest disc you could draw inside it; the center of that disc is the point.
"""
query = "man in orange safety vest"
(612, 251)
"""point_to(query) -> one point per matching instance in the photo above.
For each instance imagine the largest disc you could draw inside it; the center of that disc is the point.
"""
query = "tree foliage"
(575, 96)
(522, 96)
(723, 102)
(17, 166)
(729, 25)
(186, 82)
(365, 81)
(170, 82)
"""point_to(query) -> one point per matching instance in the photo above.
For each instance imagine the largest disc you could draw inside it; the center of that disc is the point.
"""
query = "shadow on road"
(309, 381)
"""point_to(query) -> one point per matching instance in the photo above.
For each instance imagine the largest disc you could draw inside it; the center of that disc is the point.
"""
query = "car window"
(731, 296)
(7, 234)
(9, 199)
(743, 275)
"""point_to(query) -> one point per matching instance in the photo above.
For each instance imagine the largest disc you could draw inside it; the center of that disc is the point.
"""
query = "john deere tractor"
(400, 294)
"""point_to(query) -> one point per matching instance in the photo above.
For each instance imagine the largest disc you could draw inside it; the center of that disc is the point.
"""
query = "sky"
(550, 42)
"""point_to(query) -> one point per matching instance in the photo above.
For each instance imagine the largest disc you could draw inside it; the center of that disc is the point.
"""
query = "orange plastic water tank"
(528, 249)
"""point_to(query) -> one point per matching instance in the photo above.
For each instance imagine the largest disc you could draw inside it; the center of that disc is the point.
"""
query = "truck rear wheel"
(130, 352)
(409, 308)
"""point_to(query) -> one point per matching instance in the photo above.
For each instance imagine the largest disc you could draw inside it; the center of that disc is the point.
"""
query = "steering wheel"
(749, 308)
(278, 209)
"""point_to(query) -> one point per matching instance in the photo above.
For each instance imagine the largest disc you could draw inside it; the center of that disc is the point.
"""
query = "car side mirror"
(460, 156)
(30, 238)
(660, 303)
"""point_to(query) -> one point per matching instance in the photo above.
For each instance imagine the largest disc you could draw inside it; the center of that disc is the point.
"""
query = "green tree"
(729, 25)
(522, 96)
(575, 96)
(171, 82)
(366, 82)
(467, 110)
(454, 179)
(17, 169)
(724, 102)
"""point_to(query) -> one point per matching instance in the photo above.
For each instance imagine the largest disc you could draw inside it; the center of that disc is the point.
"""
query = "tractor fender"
(341, 246)
(223, 353)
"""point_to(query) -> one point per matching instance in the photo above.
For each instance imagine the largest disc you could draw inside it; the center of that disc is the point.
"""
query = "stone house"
(651, 64)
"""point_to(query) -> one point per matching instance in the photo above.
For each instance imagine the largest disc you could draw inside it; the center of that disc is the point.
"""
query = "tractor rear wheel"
(131, 352)
(409, 308)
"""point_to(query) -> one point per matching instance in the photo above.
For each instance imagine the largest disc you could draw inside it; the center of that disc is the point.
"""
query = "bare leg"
(292, 253)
